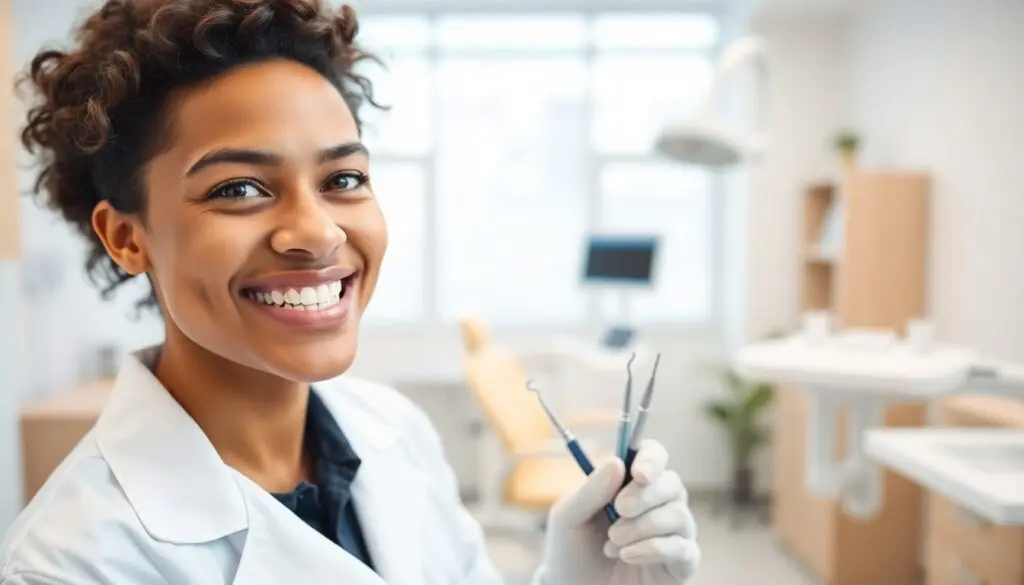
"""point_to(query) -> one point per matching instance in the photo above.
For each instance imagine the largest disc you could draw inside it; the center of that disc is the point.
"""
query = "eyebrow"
(265, 158)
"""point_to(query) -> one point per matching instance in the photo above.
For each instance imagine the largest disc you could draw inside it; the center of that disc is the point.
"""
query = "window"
(510, 187)
(510, 137)
(400, 189)
(674, 202)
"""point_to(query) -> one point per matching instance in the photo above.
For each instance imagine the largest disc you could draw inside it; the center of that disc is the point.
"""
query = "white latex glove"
(652, 543)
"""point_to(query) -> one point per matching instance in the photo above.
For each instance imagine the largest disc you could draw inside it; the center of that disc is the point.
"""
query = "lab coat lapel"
(388, 491)
(389, 500)
(280, 548)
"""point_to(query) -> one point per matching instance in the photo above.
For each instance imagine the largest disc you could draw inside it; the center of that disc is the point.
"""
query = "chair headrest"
(475, 333)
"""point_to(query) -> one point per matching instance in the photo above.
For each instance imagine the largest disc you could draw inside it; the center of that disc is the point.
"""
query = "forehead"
(276, 104)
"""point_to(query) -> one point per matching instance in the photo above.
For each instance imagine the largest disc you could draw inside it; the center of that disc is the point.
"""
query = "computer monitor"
(620, 260)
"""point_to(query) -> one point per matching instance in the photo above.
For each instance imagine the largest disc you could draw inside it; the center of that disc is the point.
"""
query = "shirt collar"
(328, 444)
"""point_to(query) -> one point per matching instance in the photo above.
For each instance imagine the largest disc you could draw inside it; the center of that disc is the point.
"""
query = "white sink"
(980, 469)
(996, 459)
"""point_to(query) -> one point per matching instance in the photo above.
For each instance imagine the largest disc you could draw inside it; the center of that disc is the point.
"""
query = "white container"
(921, 335)
(817, 326)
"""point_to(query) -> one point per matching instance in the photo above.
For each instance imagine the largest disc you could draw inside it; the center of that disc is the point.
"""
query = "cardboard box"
(52, 426)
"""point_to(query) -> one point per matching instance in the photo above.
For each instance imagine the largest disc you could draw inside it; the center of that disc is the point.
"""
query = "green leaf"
(720, 412)
(757, 400)
(732, 380)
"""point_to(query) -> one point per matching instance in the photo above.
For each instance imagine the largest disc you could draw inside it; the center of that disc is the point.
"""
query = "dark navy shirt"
(327, 504)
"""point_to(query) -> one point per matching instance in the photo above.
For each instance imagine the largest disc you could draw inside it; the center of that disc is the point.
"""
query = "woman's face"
(262, 233)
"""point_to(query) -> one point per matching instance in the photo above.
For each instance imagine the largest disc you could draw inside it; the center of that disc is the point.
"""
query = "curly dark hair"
(99, 113)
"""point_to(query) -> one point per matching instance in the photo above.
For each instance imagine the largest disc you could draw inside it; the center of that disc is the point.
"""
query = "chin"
(316, 362)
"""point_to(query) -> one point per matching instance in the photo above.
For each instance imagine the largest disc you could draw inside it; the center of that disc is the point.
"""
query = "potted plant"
(739, 415)
(847, 144)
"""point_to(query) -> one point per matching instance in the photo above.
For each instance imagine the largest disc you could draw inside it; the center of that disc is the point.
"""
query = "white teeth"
(304, 299)
(323, 295)
(308, 296)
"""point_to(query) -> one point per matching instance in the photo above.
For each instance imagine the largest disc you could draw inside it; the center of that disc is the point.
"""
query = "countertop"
(890, 370)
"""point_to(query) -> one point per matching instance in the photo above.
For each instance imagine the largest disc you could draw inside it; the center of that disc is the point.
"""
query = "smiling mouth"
(307, 298)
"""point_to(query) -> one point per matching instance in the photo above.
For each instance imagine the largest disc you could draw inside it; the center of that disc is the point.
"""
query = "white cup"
(920, 335)
(817, 326)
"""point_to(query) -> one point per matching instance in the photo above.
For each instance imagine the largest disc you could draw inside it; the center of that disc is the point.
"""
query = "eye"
(237, 190)
(345, 181)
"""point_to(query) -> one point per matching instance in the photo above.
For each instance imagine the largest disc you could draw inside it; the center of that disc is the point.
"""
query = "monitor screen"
(620, 259)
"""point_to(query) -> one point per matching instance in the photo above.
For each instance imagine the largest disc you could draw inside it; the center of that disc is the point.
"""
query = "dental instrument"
(572, 444)
(627, 405)
(641, 421)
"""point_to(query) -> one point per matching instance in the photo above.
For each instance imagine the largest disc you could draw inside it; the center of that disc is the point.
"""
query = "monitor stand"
(620, 334)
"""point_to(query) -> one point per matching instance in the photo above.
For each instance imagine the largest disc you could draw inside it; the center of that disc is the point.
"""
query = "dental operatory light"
(704, 140)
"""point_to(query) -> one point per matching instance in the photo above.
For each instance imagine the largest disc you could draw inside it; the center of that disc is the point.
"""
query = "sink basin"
(987, 458)
(979, 469)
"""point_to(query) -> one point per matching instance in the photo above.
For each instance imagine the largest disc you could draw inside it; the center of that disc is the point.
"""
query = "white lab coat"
(145, 499)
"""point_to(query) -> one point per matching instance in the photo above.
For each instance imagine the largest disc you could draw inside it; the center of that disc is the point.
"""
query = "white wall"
(807, 56)
(939, 85)
(934, 85)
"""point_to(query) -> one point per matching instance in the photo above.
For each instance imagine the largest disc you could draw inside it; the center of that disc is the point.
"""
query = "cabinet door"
(786, 447)
(814, 516)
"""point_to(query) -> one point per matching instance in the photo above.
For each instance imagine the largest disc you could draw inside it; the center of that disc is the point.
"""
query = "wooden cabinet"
(964, 549)
(10, 233)
(52, 426)
(874, 278)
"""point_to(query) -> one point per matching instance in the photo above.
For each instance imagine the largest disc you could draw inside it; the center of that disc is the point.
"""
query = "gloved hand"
(652, 543)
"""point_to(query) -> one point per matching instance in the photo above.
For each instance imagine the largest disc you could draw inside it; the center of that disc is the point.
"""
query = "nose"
(306, 229)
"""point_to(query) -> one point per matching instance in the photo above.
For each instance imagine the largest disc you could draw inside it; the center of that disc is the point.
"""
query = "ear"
(123, 238)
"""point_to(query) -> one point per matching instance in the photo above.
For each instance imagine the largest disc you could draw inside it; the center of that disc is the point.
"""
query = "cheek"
(193, 266)
(369, 237)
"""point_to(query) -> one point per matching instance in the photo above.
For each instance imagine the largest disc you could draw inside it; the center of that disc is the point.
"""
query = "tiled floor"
(747, 554)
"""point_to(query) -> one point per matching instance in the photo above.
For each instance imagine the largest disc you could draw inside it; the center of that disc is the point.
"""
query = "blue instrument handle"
(584, 462)
(622, 441)
(630, 456)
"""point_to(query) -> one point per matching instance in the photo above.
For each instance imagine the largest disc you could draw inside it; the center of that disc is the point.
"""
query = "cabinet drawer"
(975, 542)
(944, 566)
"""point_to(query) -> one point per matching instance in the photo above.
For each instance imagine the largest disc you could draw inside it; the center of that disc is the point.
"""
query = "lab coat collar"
(191, 496)
(179, 487)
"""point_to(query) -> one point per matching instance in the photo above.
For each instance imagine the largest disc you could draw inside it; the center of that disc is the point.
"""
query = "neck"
(255, 420)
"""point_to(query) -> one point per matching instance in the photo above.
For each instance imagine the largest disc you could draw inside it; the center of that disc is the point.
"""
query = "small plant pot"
(743, 486)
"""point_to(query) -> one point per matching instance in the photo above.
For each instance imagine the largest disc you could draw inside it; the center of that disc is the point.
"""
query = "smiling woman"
(219, 149)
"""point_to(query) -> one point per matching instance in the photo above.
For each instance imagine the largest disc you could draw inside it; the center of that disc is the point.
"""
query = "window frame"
(432, 10)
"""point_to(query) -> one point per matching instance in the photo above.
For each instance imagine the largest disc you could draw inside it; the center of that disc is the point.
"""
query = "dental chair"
(525, 466)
